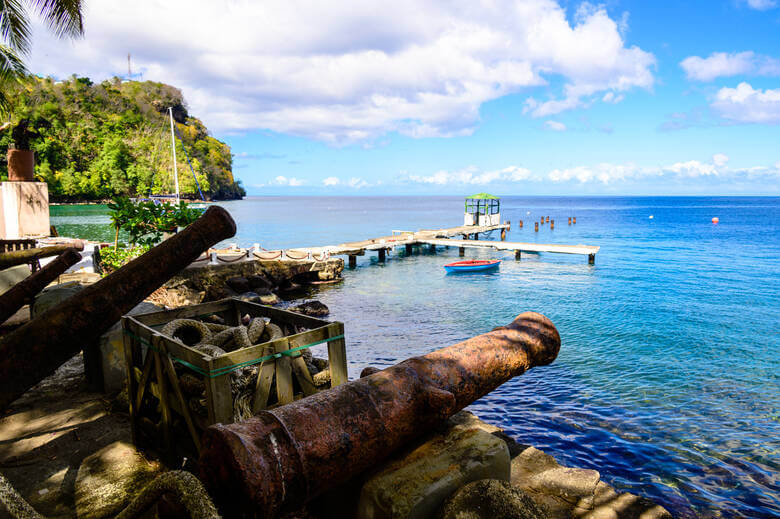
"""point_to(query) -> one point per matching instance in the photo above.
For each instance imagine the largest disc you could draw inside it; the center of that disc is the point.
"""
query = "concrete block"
(24, 207)
(415, 483)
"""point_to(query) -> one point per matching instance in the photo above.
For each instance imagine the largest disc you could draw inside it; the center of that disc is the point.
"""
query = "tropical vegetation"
(95, 141)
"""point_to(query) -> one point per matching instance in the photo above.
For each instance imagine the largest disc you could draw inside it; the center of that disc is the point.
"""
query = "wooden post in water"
(591, 259)
(461, 251)
(547, 219)
(552, 224)
(570, 220)
(536, 226)
(542, 220)
(381, 255)
(433, 249)
(352, 261)
(408, 249)
(520, 224)
(517, 255)
(509, 225)
(503, 234)
(574, 219)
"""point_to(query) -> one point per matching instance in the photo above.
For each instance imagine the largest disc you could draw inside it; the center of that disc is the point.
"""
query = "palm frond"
(12, 69)
(14, 25)
(11, 66)
(62, 16)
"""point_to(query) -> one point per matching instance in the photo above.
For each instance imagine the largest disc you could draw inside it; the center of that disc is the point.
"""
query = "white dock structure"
(441, 237)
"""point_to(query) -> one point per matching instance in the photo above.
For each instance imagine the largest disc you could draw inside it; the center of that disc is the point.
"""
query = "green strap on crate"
(229, 369)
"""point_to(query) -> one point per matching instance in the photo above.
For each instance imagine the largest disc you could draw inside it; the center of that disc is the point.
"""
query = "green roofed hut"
(482, 209)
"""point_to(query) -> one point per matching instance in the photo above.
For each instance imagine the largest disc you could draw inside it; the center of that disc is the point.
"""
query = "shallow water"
(667, 380)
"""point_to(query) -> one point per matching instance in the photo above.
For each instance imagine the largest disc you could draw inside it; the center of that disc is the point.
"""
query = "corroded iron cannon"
(20, 293)
(35, 350)
(20, 257)
(279, 459)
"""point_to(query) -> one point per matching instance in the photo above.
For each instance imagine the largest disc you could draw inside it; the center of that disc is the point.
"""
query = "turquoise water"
(667, 380)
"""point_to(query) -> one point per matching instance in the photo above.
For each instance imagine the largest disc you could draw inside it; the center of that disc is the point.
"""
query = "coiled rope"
(186, 488)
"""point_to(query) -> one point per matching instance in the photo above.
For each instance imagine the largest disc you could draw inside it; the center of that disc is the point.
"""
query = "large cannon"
(279, 459)
(20, 293)
(35, 350)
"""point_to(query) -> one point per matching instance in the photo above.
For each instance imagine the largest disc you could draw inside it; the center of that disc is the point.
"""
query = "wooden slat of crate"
(187, 312)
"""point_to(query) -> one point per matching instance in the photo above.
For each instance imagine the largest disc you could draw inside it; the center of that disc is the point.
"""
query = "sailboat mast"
(173, 147)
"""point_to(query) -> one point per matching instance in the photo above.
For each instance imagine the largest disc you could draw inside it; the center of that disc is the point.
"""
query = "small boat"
(471, 265)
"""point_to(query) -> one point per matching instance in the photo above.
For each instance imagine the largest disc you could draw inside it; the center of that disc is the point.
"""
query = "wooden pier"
(442, 237)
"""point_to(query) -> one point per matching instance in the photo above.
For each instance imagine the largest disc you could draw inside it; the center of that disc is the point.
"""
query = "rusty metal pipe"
(20, 257)
(35, 350)
(279, 459)
(23, 291)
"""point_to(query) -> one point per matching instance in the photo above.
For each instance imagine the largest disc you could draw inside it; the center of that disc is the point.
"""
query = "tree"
(63, 18)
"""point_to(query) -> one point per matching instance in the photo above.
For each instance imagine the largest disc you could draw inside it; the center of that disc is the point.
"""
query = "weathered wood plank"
(264, 379)
(184, 408)
(284, 382)
(337, 356)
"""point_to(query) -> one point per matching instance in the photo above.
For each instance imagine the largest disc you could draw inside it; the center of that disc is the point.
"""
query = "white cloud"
(357, 183)
(692, 168)
(761, 5)
(606, 173)
(721, 64)
(343, 72)
(720, 159)
(281, 180)
(555, 126)
(354, 182)
(745, 104)
(472, 175)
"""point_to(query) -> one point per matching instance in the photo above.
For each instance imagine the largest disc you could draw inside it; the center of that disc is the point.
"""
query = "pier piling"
(552, 224)
(520, 224)
(574, 219)
(591, 259)
(381, 255)
(536, 226)
(352, 261)
(461, 251)
(503, 234)
(517, 255)
(408, 249)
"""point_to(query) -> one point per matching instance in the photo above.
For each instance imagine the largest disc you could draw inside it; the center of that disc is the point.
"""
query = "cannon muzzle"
(279, 459)
(35, 350)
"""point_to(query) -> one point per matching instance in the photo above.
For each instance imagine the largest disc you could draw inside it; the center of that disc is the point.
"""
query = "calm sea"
(668, 378)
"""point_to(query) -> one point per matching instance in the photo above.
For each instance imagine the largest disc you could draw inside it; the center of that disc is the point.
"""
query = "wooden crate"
(159, 411)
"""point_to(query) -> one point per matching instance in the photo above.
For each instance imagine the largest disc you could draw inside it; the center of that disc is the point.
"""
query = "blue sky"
(512, 97)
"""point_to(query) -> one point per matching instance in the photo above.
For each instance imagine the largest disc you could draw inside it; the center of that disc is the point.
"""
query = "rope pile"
(183, 486)
(215, 340)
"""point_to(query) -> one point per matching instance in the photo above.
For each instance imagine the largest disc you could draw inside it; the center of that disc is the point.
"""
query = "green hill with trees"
(94, 141)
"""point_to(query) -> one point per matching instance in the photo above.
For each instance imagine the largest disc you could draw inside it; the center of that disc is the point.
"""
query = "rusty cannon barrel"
(35, 350)
(279, 459)
(20, 293)
(20, 257)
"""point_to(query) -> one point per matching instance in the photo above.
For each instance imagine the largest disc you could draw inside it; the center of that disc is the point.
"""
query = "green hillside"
(97, 140)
